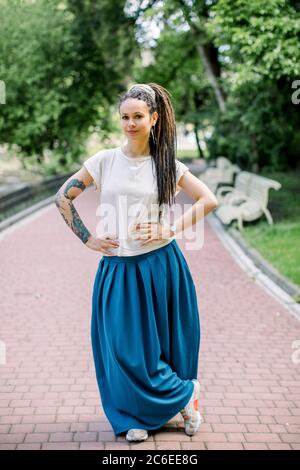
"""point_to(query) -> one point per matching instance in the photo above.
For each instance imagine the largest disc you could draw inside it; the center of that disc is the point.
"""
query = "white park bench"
(222, 173)
(241, 187)
(246, 203)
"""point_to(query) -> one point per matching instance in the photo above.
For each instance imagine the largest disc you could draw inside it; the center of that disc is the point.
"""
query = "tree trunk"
(196, 127)
(255, 160)
(220, 97)
(209, 57)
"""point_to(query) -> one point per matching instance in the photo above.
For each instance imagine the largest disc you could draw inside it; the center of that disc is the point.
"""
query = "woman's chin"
(132, 136)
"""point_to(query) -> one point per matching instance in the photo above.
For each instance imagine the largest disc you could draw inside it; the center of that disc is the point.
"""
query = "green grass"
(187, 154)
(280, 244)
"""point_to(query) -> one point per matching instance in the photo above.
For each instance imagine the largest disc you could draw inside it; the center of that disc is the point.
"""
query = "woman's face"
(135, 118)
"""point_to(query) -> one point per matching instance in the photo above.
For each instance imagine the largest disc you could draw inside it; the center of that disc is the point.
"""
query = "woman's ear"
(155, 118)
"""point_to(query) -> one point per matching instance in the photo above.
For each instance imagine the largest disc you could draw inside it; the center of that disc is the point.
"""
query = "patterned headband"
(146, 88)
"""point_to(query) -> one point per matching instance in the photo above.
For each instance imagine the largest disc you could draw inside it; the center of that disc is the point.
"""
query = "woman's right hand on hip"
(103, 243)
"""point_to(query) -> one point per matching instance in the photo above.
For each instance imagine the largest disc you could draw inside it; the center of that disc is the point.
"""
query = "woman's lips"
(132, 132)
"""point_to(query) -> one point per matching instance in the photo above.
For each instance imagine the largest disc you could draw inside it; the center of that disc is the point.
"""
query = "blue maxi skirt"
(145, 332)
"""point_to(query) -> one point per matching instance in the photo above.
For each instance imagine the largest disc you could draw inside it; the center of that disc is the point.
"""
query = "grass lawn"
(280, 243)
(187, 154)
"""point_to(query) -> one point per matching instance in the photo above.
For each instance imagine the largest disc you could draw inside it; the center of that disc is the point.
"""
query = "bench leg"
(268, 215)
(240, 223)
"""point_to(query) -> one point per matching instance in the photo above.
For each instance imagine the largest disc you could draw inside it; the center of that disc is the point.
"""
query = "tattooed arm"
(74, 186)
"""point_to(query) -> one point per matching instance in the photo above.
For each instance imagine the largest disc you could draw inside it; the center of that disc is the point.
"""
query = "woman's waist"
(133, 248)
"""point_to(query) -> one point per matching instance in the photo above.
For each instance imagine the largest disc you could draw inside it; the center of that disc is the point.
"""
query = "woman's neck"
(136, 150)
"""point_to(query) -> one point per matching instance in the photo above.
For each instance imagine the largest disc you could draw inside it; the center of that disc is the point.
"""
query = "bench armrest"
(237, 198)
(225, 188)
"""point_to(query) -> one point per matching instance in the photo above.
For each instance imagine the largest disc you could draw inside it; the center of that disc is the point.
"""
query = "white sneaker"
(191, 415)
(137, 435)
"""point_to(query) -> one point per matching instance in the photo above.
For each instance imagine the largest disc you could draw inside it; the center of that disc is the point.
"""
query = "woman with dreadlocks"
(145, 326)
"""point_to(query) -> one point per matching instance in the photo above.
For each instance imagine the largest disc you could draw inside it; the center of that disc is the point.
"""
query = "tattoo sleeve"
(63, 201)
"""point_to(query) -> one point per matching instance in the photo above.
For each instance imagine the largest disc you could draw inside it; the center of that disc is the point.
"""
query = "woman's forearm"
(64, 203)
(197, 212)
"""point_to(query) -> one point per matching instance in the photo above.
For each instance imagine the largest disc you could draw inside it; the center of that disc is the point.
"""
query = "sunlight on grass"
(278, 244)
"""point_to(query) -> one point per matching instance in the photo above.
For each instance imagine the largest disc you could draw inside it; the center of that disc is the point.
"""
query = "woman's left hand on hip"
(150, 231)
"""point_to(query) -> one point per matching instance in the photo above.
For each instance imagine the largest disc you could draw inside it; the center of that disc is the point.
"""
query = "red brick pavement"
(48, 392)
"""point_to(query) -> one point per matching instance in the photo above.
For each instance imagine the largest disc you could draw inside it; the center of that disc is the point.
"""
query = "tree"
(63, 64)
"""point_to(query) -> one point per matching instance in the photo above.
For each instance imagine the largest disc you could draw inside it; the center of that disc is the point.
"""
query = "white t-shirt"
(128, 195)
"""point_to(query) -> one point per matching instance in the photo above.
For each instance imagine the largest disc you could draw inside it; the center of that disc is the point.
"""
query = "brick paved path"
(48, 393)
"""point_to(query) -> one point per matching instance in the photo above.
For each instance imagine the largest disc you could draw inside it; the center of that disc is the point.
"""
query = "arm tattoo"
(64, 203)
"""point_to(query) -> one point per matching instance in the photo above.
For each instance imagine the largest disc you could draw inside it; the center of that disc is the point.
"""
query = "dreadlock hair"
(163, 144)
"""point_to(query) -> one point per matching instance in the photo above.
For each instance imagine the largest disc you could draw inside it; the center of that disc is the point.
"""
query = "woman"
(145, 326)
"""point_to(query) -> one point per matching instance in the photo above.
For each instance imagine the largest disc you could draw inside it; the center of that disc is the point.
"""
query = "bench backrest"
(259, 187)
(242, 181)
(223, 163)
(227, 174)
(222, 173)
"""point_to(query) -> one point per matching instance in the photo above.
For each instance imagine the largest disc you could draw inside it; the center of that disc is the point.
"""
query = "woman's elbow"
(212, 204)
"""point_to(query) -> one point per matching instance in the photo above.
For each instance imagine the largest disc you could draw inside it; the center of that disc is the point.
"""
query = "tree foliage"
(62, 63)
(252, 48)
(229, 65)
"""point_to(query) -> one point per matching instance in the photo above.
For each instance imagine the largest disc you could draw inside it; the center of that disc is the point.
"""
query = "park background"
(232, 68)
